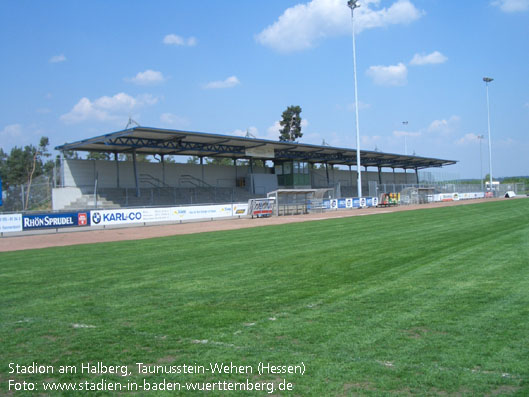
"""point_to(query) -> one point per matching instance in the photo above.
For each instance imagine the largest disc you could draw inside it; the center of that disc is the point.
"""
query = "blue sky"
(73, 70)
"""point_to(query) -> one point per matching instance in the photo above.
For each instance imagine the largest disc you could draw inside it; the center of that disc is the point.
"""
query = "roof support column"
(235, 166)
(117, 168)
(327, 172)
(136, 179)
(417, 175)
(252, 186)
(163, 168)
(202, 170)
(380, 175)
(394, 177)
(62, 168)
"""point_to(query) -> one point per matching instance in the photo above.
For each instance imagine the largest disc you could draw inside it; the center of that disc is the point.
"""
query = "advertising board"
(240, 209)
(164, 214)
(10, 223)
(203, 211)
(116, 217)
(55, 220)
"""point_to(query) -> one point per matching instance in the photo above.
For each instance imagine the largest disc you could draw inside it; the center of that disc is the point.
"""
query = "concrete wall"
(82, 173)
(61, 197)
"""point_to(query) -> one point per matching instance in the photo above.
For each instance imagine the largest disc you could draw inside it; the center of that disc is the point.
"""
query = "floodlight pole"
(481, 137)
(405, 141)
(487, 80)
(352, 4)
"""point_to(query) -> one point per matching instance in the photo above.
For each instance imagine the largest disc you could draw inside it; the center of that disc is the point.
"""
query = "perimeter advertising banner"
(240, 209)
(203, 211)
(116, 217)
(45, 221)
(164, 214)
(352, 202)
(10, 223)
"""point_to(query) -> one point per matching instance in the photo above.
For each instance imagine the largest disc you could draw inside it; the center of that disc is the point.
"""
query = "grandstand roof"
(146, 140)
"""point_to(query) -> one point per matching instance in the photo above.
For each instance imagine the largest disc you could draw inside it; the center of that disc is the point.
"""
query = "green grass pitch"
(426, 302)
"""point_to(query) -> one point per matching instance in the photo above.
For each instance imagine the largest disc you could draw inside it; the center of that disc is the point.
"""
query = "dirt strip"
(64, 238)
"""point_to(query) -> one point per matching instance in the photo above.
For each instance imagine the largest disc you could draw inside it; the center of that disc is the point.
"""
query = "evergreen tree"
(291, 123)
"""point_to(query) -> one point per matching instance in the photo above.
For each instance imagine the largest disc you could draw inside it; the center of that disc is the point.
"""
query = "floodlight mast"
(352, 4)
(480, 138)
(487, 80)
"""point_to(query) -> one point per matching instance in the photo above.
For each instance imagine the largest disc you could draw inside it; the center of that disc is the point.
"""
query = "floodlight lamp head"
(352, 4)
(487, 79)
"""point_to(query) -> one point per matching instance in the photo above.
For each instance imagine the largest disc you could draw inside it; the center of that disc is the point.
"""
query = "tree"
(99, 156)
(291, 123)
(38, 153)
(70, 155)
(219, 161)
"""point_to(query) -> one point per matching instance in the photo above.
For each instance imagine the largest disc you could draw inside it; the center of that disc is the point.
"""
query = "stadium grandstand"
(255, 168)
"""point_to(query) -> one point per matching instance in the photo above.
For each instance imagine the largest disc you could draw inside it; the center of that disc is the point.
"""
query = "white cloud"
(106, 108)
(57, 58)
(254, 132)
(430, 59)
(273, 131)
(173, 120)
(406, 133)
(229, 82)
(526, 105)
(300, 27)
(173, 39)
(149, 77)
(392, 75)
(468, 138)
(11, 131)
(511, 5)
(444, 126)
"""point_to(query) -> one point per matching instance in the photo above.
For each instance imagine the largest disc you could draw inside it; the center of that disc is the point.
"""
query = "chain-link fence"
(36, 196)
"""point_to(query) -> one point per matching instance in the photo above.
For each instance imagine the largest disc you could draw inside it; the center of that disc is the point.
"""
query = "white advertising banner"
(202, 212)
(116, 217)
(165, 214)
(456, 196)
(10, 223)
(240, 209)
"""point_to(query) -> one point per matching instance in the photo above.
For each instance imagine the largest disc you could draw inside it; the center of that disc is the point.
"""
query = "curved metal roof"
(146, 140)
